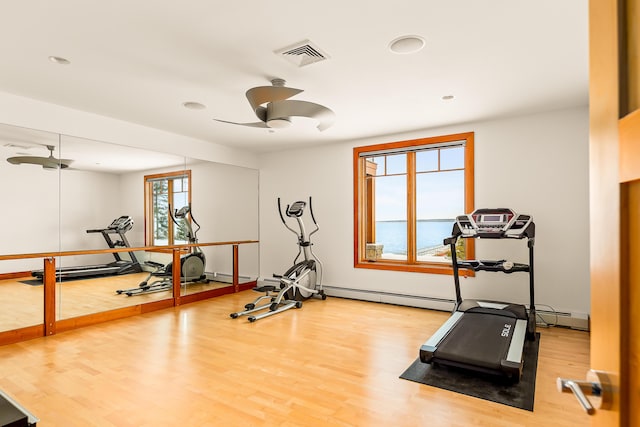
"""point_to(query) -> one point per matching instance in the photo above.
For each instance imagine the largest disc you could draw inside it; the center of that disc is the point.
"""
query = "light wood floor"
(332, 363)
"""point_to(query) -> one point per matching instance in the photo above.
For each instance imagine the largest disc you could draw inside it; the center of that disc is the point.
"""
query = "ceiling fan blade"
(19, 160)
(263, 94)
(254, 125)
(288, 108)
(45, 162)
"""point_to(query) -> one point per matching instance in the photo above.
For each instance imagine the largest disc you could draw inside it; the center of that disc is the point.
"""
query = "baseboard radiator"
(226, 277)
(545, 317)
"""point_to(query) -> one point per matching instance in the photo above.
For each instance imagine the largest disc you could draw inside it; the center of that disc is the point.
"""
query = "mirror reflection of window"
(164, 193)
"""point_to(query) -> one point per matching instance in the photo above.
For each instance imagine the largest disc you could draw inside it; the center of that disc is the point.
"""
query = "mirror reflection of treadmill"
(119, 227)
(486, 336)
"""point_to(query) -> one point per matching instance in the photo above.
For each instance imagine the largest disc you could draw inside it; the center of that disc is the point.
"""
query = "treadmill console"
(119, 225)
(123, 223)
(496, 223)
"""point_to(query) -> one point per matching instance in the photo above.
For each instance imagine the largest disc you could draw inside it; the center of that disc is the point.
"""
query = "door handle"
(595, 389)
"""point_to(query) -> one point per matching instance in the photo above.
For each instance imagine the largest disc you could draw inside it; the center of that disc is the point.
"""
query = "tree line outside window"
(164, 193)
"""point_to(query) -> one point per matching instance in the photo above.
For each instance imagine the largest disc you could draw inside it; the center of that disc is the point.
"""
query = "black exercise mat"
(39, 282)
(483, 386)
(33, 282)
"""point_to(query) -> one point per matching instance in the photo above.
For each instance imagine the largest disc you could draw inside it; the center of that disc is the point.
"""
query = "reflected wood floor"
(22, 304)
(331, 363)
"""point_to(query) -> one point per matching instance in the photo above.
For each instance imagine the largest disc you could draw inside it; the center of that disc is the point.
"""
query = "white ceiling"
(140, 60)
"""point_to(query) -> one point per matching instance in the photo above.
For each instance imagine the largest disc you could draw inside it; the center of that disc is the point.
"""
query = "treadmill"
(119, 227)
(486, 336)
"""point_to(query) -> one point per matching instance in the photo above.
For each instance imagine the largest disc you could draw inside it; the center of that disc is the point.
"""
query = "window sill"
(429, 268)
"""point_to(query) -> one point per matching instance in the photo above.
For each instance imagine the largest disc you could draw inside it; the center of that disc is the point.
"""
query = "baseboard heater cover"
(432, 303)
(564, 319)
(226, 278)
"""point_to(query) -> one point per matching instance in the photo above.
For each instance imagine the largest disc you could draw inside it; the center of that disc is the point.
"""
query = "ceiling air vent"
(303, 53)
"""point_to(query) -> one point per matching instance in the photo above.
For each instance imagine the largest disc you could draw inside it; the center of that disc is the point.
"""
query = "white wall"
(88, 201)
(46, 211)
(28, 193)
(534, 164)
(227, 210)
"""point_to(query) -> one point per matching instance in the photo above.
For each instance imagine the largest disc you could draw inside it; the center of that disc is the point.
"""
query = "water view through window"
(438, 179)
(430, 234)
(408, 194)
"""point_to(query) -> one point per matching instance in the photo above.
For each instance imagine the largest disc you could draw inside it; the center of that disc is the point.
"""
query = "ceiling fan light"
(59, 60)
(191, 105)
(279, 123)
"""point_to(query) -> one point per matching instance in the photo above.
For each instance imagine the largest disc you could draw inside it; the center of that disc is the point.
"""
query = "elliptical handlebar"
(182, 214)
(313, 218)
(194, 232)
(174, 215)
(296, 210)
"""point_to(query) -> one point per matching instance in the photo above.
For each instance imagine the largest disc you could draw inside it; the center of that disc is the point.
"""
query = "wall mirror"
(64, 207)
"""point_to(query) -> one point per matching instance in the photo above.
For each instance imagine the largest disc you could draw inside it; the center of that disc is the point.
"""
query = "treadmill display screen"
(493, 223)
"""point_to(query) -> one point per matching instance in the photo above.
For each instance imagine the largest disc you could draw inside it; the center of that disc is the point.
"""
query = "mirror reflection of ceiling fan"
(273, 107)
(46, 162)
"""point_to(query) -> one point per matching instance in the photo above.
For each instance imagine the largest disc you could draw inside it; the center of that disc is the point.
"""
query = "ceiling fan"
(274, 108)
(46, 162)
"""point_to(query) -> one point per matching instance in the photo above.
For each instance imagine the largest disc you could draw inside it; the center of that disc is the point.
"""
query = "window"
(407, 196)
(165, 193)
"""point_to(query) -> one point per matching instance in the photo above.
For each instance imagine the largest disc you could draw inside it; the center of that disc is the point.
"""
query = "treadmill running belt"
(477, 340)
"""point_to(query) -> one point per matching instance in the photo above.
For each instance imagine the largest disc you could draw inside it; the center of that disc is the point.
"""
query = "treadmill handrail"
(501, 266)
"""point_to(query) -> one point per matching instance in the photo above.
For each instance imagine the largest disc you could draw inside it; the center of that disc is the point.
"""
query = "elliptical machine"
(300, 282)
(192, 265)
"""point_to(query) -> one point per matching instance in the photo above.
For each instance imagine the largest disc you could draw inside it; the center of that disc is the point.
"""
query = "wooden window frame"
(360, 205)
(148, 205)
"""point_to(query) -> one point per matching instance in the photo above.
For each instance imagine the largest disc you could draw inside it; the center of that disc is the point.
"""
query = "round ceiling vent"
(406, 44)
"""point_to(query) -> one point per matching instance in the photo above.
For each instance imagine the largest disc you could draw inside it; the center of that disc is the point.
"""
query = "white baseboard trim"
(226, 277)
(579, 321)
(391, 298)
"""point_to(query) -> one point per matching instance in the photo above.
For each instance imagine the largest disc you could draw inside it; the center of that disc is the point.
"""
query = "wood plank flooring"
(332, 363)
